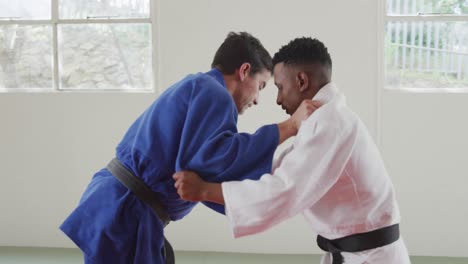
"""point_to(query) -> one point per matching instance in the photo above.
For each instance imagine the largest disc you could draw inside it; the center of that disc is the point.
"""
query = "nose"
(255, 101)
(278, 99)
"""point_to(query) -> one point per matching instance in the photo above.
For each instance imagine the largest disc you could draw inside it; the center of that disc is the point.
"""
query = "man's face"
(289, 97)
(248, 92)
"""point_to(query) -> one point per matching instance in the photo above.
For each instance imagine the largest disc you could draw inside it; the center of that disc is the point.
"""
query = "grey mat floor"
(23, 255)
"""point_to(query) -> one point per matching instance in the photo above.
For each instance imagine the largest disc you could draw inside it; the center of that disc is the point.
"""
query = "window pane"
(413, 7)
(26, 57)
(105, 56)
(25, 9)
(74, 9)
(426, 55)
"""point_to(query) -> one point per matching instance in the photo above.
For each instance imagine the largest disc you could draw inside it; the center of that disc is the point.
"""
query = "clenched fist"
(304, 110)
(189, 185)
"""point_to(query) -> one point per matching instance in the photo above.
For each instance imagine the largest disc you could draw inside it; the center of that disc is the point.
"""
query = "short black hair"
(239, 48)
(304, 50)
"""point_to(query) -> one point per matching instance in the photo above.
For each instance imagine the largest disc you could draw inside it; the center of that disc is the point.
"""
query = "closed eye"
(279, 86)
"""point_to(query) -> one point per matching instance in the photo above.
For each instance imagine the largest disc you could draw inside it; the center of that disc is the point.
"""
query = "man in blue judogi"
(191, 126)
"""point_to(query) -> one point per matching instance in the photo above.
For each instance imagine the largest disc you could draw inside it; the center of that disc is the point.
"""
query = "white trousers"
(395, 253)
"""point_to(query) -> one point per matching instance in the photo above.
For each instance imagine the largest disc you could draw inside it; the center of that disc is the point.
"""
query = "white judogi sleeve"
(304, 175)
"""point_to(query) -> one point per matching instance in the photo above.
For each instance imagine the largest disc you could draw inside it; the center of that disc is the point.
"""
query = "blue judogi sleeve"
(211, 145)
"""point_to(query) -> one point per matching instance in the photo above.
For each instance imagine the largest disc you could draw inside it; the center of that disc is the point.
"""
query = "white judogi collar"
(326, 93)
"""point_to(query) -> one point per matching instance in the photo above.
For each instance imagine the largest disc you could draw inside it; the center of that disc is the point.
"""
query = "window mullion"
(24, 22)
(55, 18)
(104, 21)
(425, 18)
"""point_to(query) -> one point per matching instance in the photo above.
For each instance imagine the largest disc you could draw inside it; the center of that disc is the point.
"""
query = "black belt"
(359, 242)
(146, 195)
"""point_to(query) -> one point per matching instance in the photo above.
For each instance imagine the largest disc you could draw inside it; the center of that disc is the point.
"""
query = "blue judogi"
(191, 126)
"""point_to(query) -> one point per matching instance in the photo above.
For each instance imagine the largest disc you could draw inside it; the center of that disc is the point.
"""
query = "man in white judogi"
(333, 173)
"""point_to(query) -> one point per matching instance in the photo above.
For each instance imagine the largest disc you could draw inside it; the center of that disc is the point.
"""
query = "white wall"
(51, 144)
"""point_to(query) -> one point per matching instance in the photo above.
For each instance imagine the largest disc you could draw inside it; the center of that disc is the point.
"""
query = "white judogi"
(333, 174)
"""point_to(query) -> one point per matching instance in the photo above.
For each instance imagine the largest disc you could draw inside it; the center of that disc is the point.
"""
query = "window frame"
(383, 18)
(55, 21)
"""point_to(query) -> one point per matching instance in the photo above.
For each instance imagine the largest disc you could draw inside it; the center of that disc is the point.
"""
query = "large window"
(426, 45)
(71, 45)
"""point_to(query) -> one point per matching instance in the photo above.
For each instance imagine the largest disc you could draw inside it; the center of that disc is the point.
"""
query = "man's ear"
(302, 80)
(244, 70)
